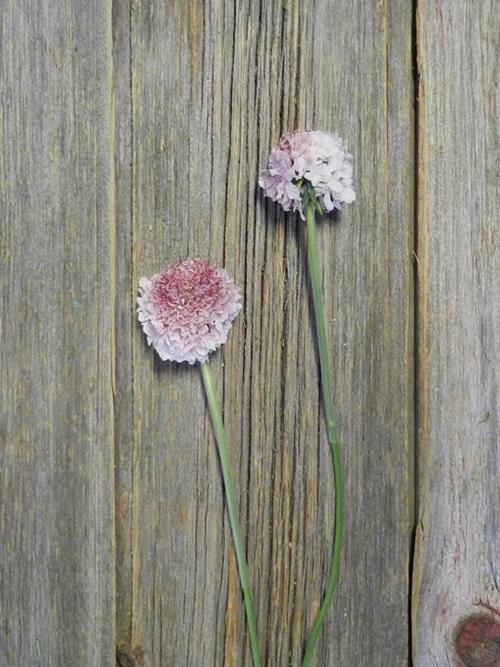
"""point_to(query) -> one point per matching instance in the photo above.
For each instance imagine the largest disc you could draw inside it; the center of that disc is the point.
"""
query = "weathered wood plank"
(56, 219)
(213, 86)
(124, 322)
(458, 541)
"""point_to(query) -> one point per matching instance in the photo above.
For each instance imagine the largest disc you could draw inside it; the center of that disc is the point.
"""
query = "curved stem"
(326, 387)
(225, 463)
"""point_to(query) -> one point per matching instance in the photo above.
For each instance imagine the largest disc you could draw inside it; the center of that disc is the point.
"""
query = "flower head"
(187, 310)
(315, 158)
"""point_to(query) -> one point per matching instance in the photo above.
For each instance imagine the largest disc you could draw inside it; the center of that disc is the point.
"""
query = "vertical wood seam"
(113, 276)
(226, 529)
(416, 397)
(132, 276)
(418, 526)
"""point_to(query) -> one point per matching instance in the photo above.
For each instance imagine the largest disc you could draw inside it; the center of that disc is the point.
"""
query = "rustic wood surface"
(57, 583)
(213, 85)
(458, 538)
(132, 135)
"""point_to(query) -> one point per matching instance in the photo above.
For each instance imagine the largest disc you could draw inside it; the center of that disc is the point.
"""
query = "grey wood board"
(213, 85)
(56, 353)
(458, 537)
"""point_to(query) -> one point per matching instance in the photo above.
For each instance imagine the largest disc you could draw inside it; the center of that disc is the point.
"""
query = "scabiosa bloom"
(187, 310)
(316, 158)
(311, 172)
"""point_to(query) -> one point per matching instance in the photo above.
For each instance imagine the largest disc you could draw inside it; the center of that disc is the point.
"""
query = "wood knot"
(127, 656)
(478, 641)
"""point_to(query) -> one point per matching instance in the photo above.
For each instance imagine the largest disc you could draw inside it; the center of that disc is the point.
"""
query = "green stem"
(225, 463)
(326, 386)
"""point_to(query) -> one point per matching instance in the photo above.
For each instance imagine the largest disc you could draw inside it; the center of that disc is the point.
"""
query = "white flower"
(317, 157)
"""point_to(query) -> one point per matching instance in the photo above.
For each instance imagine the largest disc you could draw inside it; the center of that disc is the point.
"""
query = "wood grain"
(212, 85)
(56, 356)
(458, 540)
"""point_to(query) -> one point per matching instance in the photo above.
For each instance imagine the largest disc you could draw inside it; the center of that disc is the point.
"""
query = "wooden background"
(132, 134)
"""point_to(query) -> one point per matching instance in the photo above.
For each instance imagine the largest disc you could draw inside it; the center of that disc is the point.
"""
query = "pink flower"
(317, 157)
(187, 310)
